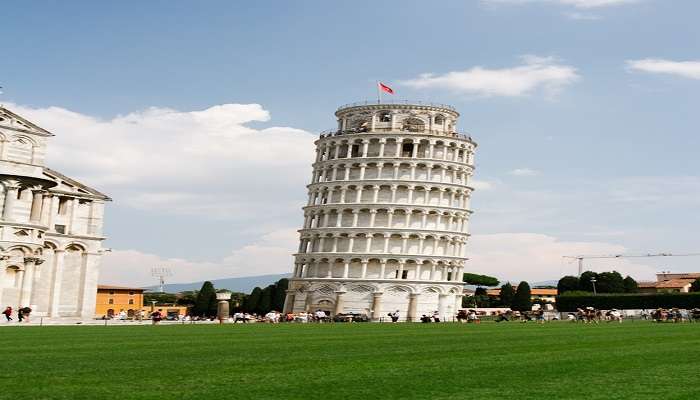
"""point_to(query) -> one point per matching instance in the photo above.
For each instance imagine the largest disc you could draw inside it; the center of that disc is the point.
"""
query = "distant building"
(111, 300)
(50, 228)
(669, 282)
(546, 294)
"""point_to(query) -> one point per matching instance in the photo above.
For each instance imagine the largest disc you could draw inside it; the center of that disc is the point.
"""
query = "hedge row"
(629, 301)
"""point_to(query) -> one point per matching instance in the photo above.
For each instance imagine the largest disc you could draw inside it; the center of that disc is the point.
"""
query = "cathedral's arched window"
(384, 116)
(439, 119)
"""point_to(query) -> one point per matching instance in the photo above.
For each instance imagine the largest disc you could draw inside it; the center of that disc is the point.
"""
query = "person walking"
(8, 313)
(20, 314)
(156, 316)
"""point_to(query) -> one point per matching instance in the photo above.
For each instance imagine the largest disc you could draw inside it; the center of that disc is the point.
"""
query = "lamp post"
(593, 280)
(222, 309)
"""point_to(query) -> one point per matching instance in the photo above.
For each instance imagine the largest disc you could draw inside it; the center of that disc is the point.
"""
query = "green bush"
(572, 301)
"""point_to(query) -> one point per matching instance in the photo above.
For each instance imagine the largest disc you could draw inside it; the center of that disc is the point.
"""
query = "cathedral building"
(386, 223)
(50, 228)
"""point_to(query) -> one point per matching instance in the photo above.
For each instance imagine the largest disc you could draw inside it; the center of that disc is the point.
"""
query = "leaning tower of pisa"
(386, 223)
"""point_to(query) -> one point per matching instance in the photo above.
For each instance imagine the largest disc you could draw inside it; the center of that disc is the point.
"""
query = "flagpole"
(379, 94)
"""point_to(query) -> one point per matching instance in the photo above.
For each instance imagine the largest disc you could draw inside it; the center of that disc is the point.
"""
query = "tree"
(205, 303)
(280, 294)
(187, 299)
(585, 283)
(480, 291)
(610, 282)
(521, 299)
(253, 300)
(695, 286)
(160, 298)
(479, 280)
(265, 304)
(507, 294)
(568, 284)
(630, 285)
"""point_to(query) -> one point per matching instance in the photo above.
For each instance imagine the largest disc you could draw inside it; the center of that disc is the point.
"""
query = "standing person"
(156, 316)
(436, 316)
(25, 312)
(394, 316)
(20, 314)
(8, 313)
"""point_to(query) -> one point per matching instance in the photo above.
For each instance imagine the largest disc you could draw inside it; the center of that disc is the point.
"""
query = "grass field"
(353, 361)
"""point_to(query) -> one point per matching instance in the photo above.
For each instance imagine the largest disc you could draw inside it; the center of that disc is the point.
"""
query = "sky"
(198, 119)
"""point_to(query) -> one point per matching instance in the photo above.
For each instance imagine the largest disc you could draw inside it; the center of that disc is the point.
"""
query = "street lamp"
(593, 281)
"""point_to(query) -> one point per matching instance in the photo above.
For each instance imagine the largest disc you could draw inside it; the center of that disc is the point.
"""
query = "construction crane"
(581, 258)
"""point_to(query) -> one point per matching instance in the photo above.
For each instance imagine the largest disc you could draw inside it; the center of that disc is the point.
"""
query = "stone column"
(413, 307)
(25, 294)
(72, 224)
(11, 189)
(346, 270)
(222, 309)
(376, 306)
(288, 302)
(37, 202)
(307, 301)
(442, 306)
(339, 302)
(364, 269)
(382, 269)
(56, 282)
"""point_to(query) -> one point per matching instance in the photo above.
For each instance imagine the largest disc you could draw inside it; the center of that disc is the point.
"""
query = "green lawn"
(367, 361)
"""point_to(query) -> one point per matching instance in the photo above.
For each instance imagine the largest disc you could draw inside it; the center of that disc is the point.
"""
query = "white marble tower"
(386, 223)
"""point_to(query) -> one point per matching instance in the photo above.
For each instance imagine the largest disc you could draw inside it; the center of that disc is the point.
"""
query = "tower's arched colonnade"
(386, 222)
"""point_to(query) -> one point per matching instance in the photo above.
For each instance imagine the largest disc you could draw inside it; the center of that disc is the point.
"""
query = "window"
(111, 301)
(355, 150)
(384, 116)
(60, 229)
(131, 301)
(404, 275)
(131, 292)
(439, 119)
(449, 276)
(407, 150)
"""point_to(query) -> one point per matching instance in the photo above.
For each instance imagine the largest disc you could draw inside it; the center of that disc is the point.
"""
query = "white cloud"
(685, 69)
(582, 16)
(524, 172)
(207, 163)
(582, 4)
(481, 185)
(537, 257)
(271, 254)
(536, 74)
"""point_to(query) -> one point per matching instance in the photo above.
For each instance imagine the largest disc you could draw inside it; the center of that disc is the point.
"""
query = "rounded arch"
(76, 246)
(413, 124)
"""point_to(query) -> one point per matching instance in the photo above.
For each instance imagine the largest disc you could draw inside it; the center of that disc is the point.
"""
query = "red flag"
(386, 88)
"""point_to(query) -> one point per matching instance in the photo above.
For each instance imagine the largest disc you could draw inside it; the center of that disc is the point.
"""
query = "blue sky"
(584, 110)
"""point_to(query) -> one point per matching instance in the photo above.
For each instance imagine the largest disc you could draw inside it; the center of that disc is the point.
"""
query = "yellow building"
(111, 300)
(546, 294)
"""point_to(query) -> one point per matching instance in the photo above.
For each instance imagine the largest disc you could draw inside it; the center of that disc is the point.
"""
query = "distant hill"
(244, 284)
